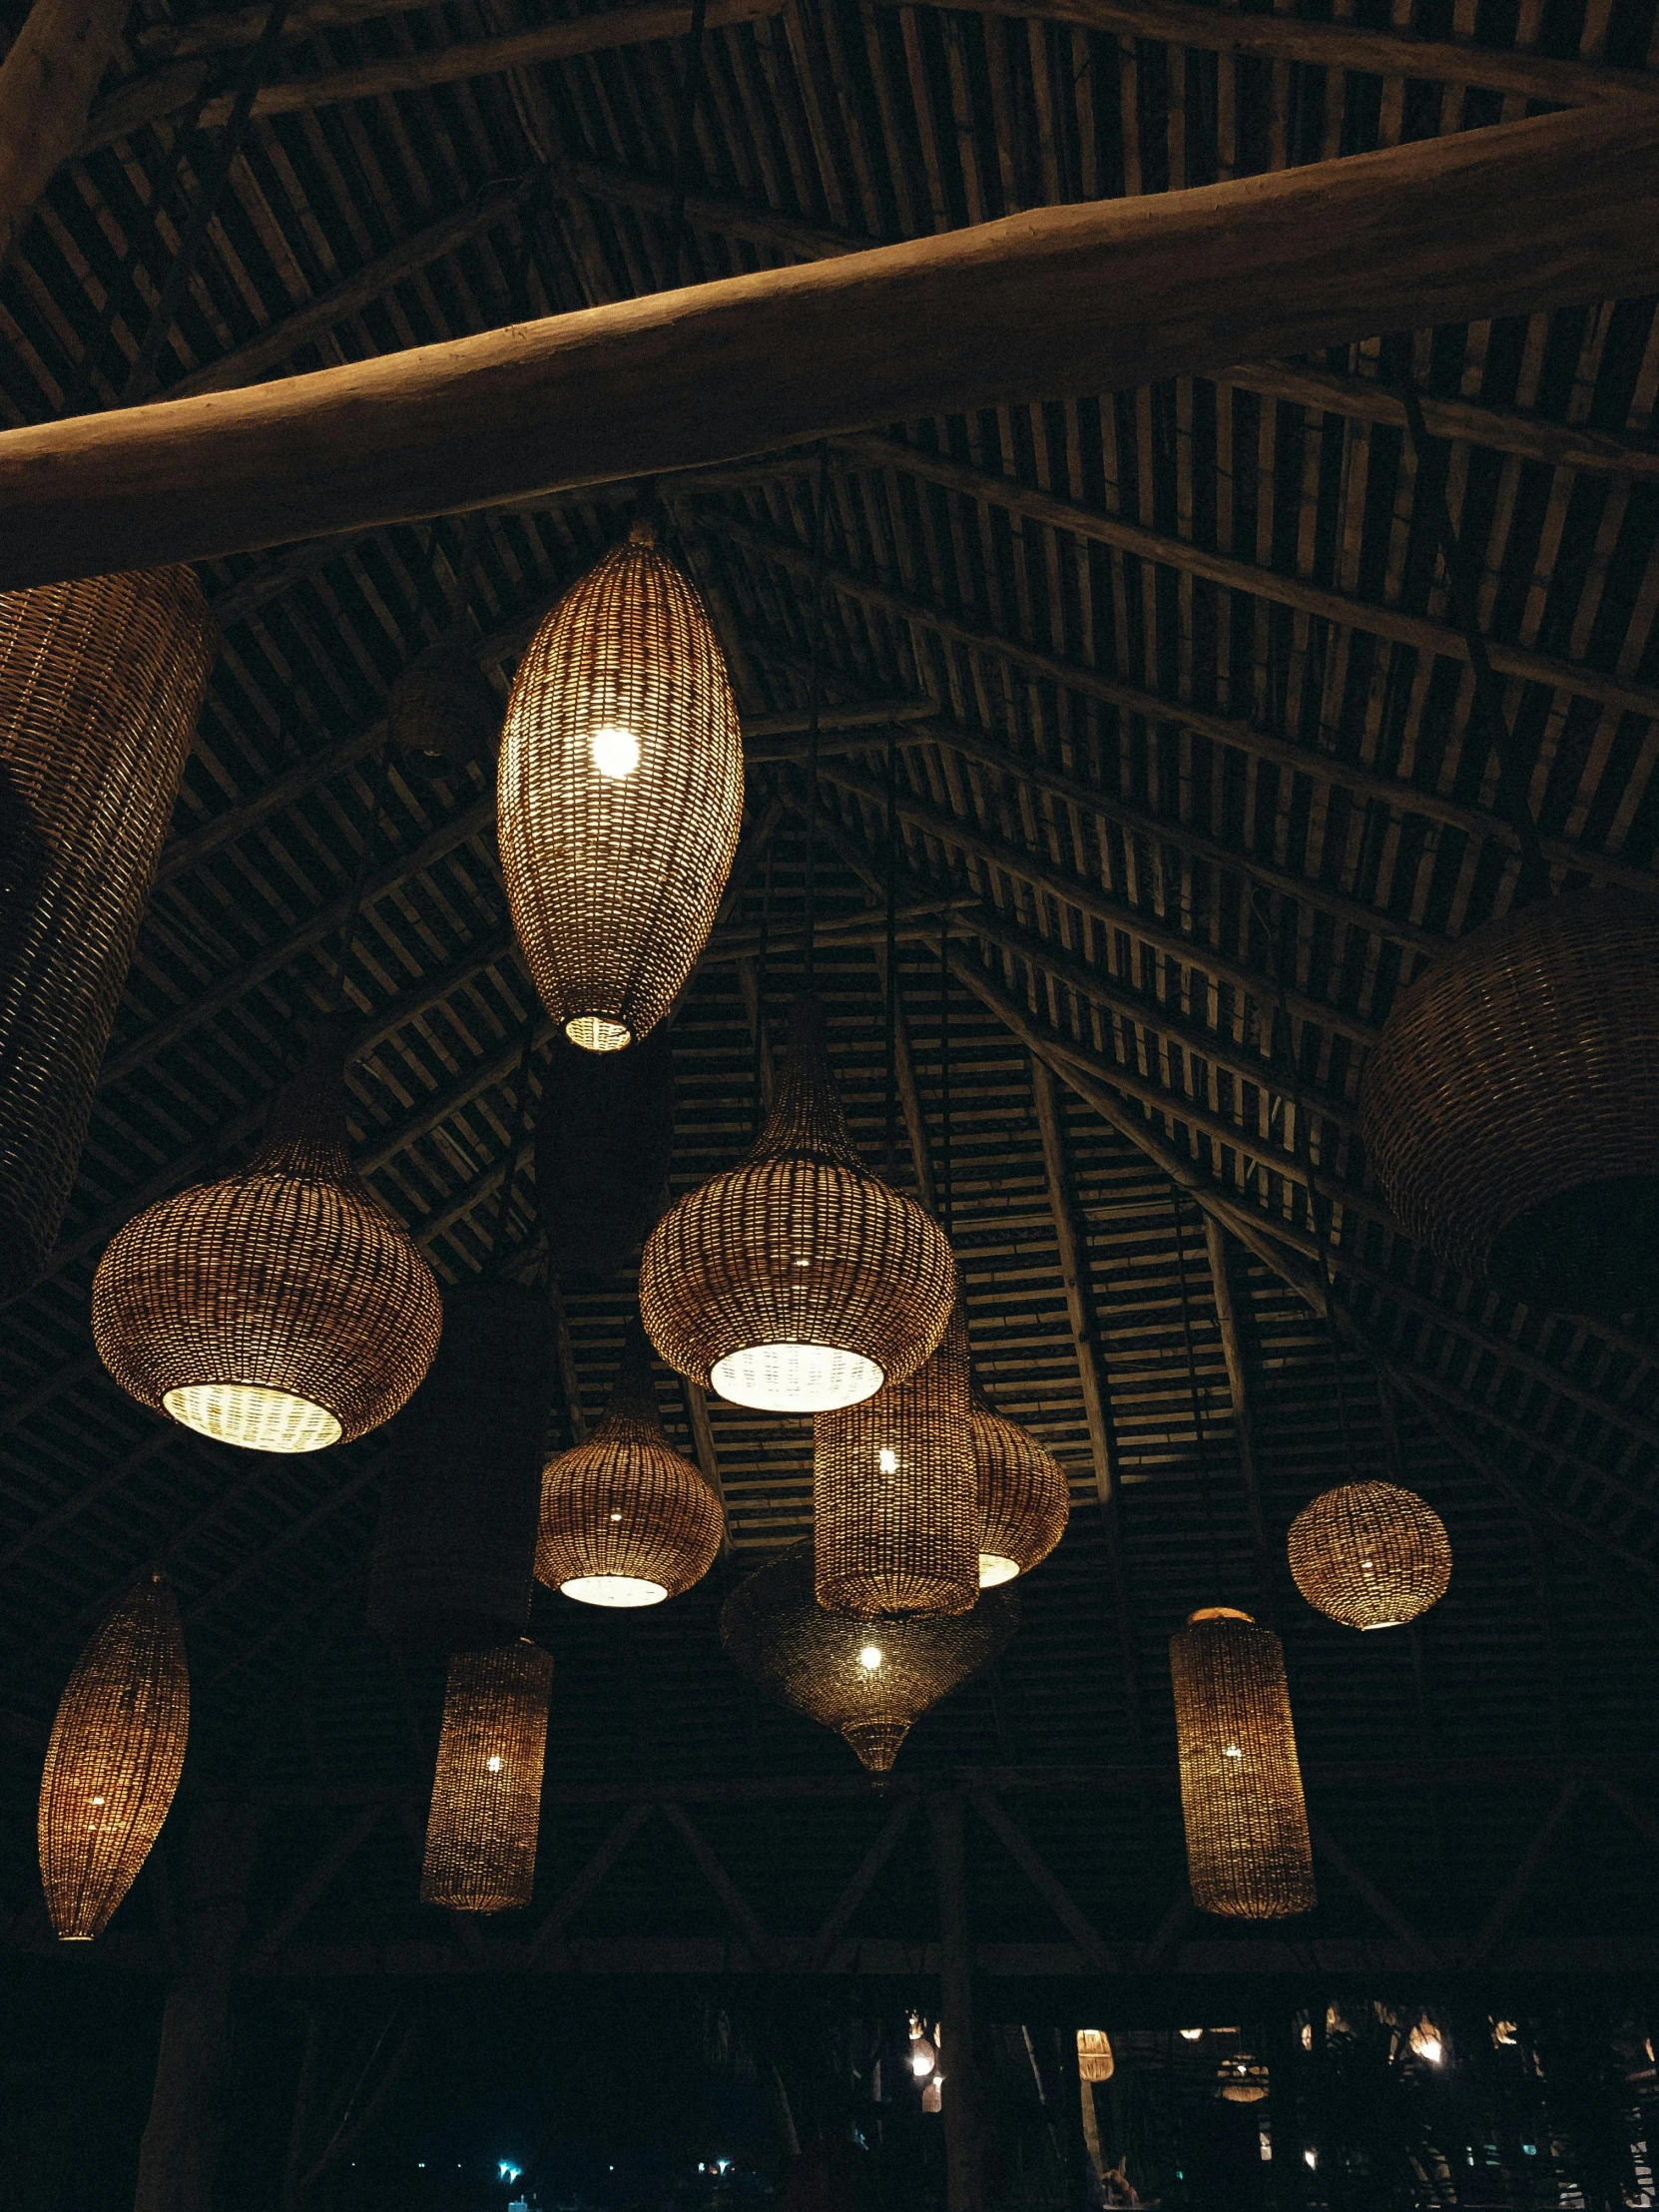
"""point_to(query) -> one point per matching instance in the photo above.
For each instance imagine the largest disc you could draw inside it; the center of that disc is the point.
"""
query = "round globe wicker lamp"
(620, 795)
(1369, 1554)
(797, 1282)
(481, 1832)
(281, 1308)
(1024, 1497)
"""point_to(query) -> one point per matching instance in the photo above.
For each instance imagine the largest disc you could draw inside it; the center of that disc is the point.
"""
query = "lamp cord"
(371, 836)
(515, 1143)
(815, 686)
(685, 123)
(890, 1010)
(1206, 1492)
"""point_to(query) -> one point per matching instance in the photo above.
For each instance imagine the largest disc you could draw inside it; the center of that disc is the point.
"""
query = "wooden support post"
(46, 86)
(1237, 1382)
(960, 2076)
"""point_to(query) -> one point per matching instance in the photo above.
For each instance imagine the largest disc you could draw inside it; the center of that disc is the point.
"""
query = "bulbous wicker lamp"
(1248, 1853)
(101, 681)
(1508, 1107)
(482, 1829)
(870, 1679)
(1024, 1497)
(625, 1519)
(114, 1760)
(604, 1137)
(1369, 1554)
(797, 1282)
(620, 795)
(281, 1308)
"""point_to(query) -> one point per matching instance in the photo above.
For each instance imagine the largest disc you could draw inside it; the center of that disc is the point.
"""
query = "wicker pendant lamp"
(481, 1832)
(281, 1308)
(101, 681)
(1095, 2062)
(626, 1519)
(620, 795)
(1369, 1554)
(1024, 1497)
(797, 1282)
(603, 1142)
(114, 1760)
(1248, 1853)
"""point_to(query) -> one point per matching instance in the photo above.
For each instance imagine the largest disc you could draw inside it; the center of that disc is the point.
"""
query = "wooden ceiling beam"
(47, 83)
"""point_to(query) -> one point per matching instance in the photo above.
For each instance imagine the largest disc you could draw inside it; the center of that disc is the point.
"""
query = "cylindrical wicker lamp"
(1024, 1497)
(114, 1760)
(797, 1282)
(626, 1519)
(1248, 1853)
(279, 1308)
(1369, 1554)
(1095, 2062)
(620, 795)
(604, 1138)
(486, 1792)
(101, 681)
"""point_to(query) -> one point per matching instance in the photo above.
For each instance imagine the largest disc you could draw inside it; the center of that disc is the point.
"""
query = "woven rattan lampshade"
(279, 1308)
(625, 1519)
(1024, 1497)
(1369, 1554)
(895, 1509)
(620, 795)
(870, 1679)
(1247, 1854)
(114, 1760)
(602, 1141)
(1509, 1105)
(441, 712)
(1094, 2054)
(100, 684)
(797, 1282)
(486, 1792)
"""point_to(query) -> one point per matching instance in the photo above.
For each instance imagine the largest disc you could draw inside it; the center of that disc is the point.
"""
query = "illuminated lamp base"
(795, 1379)
(995, 1568)
(1366, 1627)
(73, 1938)
(595, 1034)
(613, 1590)
(250, 1415)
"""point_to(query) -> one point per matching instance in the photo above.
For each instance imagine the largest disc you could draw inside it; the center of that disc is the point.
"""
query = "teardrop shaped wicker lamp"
(604, 1138)
(281, 1308)
(626, 1519)
(895, 1509)
(1248, 1853)
(1508, 1108)
(114, 1760)
(1024, 1497)
(870, 1679)
(620, 795)
(101, 681)
(481, 1832)
(797, 1282)
(1369, 1554)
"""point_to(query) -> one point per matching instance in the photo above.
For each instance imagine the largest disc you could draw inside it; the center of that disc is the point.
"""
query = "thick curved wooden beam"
(46, 86)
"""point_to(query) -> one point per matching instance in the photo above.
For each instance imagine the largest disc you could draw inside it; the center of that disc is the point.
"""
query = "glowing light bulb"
(888, 1459)
(995, 1569)
(870, 1658)
(493, 1762)
(1432, 2049)
(1191, 2035)
(616, 1516)
(615, 752)
(1231, 1751)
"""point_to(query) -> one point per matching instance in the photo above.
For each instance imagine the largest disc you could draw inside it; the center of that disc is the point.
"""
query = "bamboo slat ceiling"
(1185, 732)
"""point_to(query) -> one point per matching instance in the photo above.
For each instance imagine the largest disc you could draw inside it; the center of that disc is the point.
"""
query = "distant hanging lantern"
(441, 712)
(626, 1519)
(870, 1679)
(101, 681)
(1248, 1853)
(114, 1760)
(1369, 1554)
(603, 1143)
(1242, 2080)
(1094, 2054)
(797, 1282)
(486, 1794)
(281, 1308)
(1024, 1497)
(620, 795)
(895, 1516)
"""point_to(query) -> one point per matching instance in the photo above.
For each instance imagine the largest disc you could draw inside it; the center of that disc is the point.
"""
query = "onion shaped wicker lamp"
(1369, 1554)
(101, 681)
(1024, 1497)
(870, 1679)
(604, 1137)
(114, 1760)
(1508, 1108)
(481, 1832)
(626, 1519)
(1248, 1853)
(620, 795)
(281, 1308)
(797, 1282)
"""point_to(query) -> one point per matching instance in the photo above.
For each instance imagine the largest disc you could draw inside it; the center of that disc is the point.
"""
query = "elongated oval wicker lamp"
(114, 1760)
(1369, 1554)
(1247, 1854)
(281, 1308)
(625, 1519)
(101, 681)
(604, 1138)
(797, 1282)
(620, 795)
(1024, 1497)
(482, 1829)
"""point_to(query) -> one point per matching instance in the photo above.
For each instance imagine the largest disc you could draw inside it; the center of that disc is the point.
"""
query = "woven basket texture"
(1094, 2054)
(1247, 1854)
(799, 1244)
(604, 1138)
(481, 1830)
(1369, 1554)
(895, 1505)
(1024, 1497)
(441, 712)
(114, 1760)
(287, 1277)
(101, 681)
(451, 1566)
(614, 881)
(625, 1503)
(775, 1632)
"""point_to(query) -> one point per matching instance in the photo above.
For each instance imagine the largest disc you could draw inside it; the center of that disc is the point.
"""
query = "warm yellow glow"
(249, 1415)
(595, 1034)
(888, 1459)
(871, 1657)
(613, 1589)
(493, 1762)
(795, 1379)
(1191, 2035)
(615, 752)
(995, 1568)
